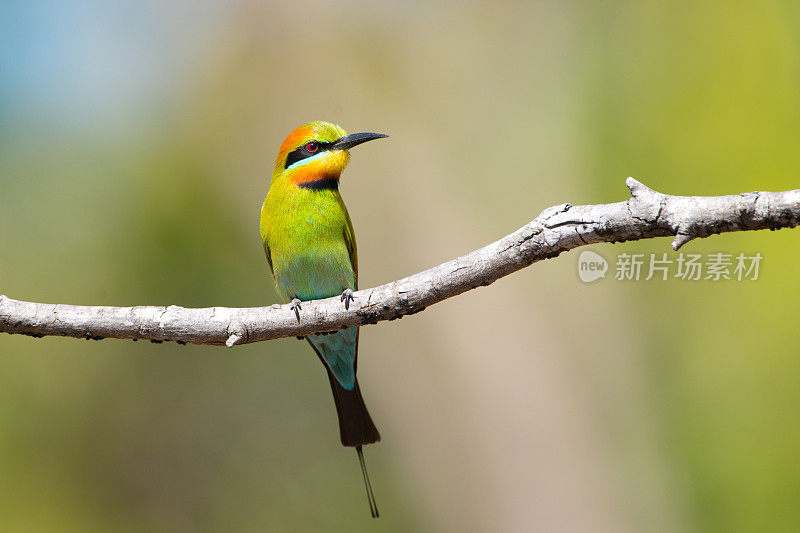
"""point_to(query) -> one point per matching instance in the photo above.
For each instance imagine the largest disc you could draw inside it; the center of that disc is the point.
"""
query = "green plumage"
(309, 238)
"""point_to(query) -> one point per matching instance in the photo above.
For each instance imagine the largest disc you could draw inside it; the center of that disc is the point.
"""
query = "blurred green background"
(136, 141)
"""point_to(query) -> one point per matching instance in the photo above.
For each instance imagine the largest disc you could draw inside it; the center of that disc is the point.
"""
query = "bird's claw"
(347, 297)
(295, 306)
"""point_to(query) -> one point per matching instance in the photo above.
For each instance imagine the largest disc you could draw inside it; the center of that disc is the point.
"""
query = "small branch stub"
(233, 340)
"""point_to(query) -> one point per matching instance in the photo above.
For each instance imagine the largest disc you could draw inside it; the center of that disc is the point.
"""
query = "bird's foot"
(347, 297)
(295, 306)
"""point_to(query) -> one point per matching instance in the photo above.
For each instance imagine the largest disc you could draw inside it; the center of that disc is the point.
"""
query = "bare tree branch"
(558, 229)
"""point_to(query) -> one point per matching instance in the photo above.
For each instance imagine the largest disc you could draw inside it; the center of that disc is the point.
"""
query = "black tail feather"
(373, 505)
(355, 424)
(356, 428)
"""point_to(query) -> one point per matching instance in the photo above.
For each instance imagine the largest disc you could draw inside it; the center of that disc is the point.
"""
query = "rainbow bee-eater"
(311, 250)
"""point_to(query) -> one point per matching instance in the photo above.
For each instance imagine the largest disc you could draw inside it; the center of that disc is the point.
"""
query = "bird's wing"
(269, 257)
(350, 242)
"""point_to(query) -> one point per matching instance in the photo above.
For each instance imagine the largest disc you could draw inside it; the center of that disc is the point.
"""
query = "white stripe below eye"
(315, 157)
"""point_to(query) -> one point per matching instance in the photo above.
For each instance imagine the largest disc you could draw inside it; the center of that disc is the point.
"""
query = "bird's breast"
(305, 237)
(313, 272)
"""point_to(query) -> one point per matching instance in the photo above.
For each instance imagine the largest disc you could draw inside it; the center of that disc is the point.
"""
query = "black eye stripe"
(298, 154)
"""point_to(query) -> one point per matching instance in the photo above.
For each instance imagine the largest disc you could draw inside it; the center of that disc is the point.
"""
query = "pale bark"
(558, 229)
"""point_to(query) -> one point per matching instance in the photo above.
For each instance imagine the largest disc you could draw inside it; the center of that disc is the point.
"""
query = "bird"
(311, 250)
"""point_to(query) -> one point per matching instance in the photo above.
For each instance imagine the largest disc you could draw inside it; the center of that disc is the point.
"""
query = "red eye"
(312, 147)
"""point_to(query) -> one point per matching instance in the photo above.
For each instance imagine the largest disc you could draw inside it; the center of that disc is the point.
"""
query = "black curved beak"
(354, 139)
